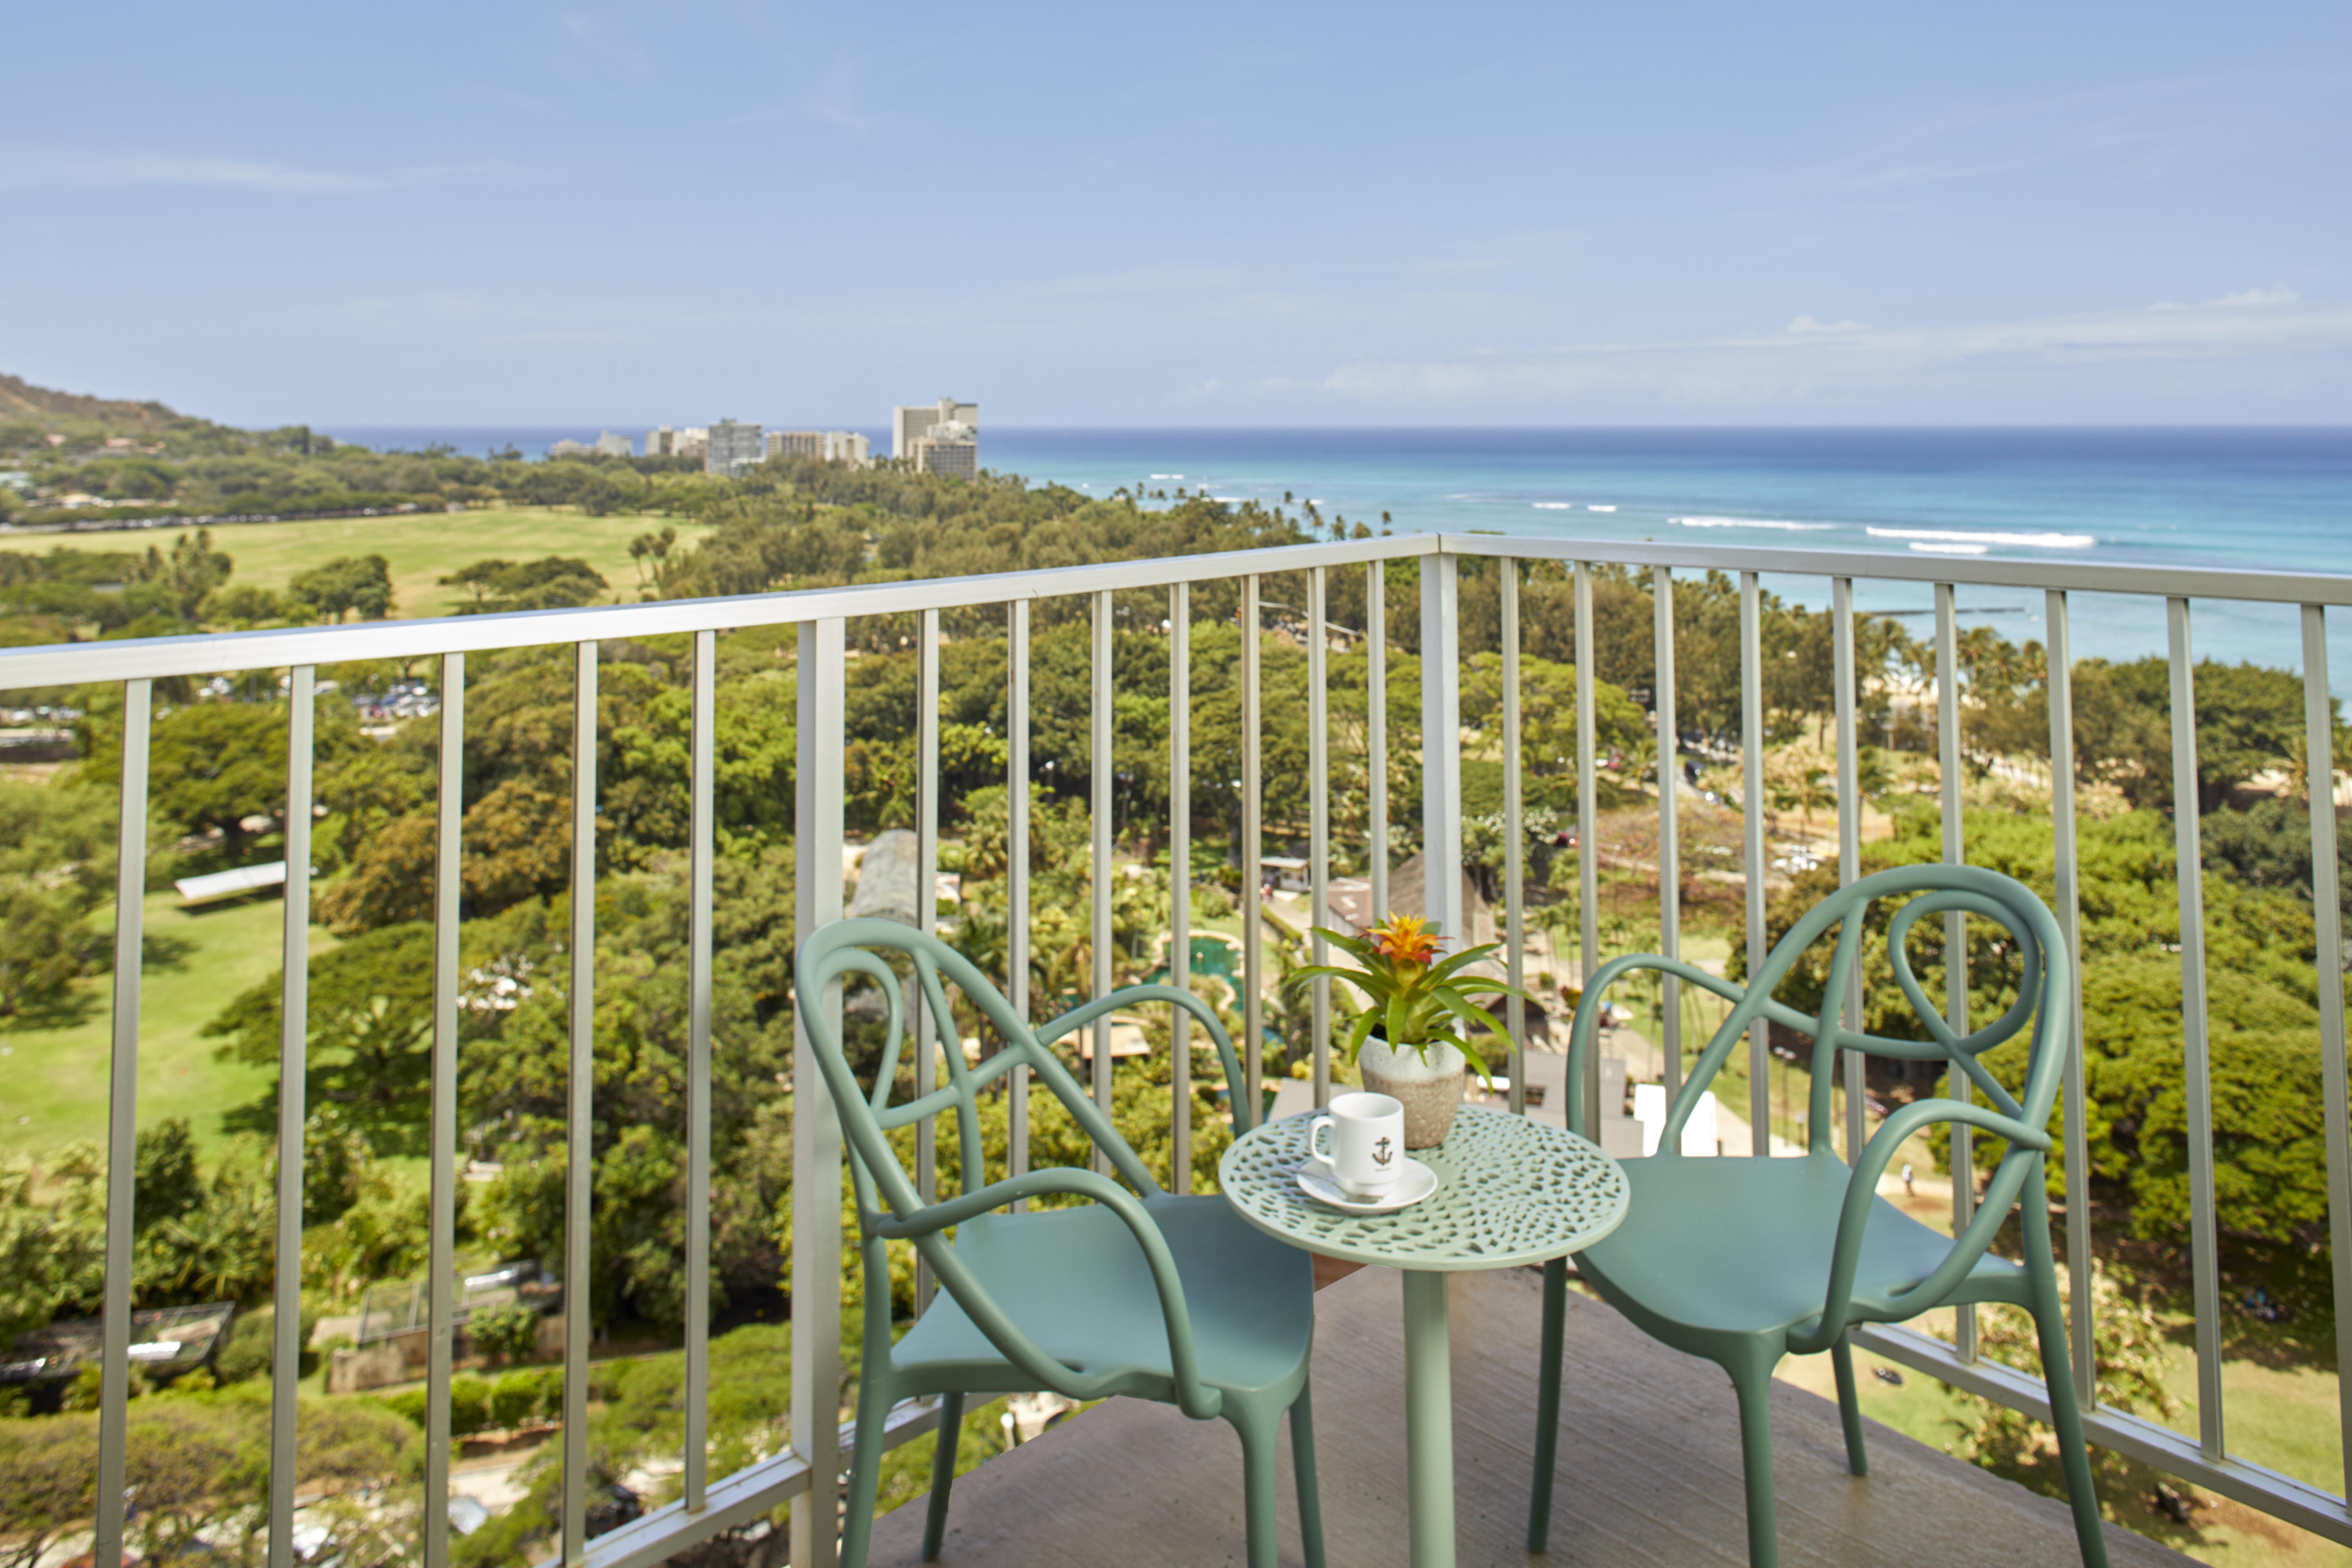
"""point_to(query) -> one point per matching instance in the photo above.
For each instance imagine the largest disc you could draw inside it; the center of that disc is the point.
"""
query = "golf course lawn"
(423, 547)
(53, 1081)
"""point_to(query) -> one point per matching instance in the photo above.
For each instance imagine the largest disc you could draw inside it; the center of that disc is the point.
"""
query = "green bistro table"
(1509, 1191)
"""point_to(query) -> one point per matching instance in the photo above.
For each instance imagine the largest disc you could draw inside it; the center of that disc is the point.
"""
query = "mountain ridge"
(23, 403)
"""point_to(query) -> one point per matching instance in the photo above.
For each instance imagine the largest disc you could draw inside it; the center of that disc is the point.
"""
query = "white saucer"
(1414, 1183)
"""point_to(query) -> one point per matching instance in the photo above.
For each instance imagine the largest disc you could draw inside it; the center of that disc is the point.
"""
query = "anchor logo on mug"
(1366, 1131)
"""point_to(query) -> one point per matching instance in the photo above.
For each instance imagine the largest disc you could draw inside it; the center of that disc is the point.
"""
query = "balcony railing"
(710, 1504)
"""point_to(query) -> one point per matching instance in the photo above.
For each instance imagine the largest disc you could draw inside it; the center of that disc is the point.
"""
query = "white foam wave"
(1600, 509)
(1973, 536)
(1754, 523)
(1926, 549)
(1555, 506)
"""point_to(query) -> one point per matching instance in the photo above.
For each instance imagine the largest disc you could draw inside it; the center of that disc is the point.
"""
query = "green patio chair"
(1745, 1260)
(1143, 1293)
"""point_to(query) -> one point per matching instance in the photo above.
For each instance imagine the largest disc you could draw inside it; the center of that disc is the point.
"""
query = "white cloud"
(21, 167)
(2277, 294)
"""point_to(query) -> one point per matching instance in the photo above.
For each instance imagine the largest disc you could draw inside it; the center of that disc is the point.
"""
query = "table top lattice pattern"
(1509, 1191)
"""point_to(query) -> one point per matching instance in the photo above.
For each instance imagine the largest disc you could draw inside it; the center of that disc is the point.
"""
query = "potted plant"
(1411, 1041)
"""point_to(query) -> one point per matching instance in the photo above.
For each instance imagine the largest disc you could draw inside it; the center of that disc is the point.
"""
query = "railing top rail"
(1972, 571)
(73, 664)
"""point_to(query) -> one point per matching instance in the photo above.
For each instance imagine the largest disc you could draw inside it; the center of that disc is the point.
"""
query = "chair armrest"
(1087, 1012)
(1862, 1189)
(1194, 1397)
(1580, 1037)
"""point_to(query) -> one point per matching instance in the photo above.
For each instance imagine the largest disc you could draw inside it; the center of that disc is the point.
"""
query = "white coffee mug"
(1367, 1147)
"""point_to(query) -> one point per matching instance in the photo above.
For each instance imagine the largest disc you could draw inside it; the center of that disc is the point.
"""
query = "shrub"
(515, 1398)
(469, 1405)
(408, 1405)
(507, 1333)
(249, 1350)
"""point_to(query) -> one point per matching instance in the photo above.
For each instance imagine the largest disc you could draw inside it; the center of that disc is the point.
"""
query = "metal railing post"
(1099, 779)
(579, 1118)
(1376, 734)
(1751, 754)
(1848, 794)
(123, 1123)
(1670, 865)
(1016, 887)
(702, 769)
(1515, 848)
(1180, 877)
(2204, 1240)
(1587, 850)
(1318, 820)
(1441, 746)
(2328, 920)
(1955, 931)
(818, 827)
(293, 1111)
(2083, 1324)
(441, 1272)
(927, 920)
(1253, 856)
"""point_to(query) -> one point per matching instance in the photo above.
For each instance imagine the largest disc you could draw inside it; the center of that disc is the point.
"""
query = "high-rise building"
(949, 447)
(909, 425)
(795, 444)
(848, 446)
(692, 442)
(613, 445)
(661, 442)
(733, 447)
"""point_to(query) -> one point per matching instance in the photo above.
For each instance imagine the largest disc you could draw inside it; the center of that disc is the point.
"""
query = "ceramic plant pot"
(1429, 1091)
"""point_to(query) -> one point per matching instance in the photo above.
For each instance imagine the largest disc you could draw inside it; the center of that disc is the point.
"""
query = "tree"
(2249, 720)
(194, 570)
(553, 582)
(44, 947)
(2269, 1138)
(210, 767)
(347, 585)
(370, 1027)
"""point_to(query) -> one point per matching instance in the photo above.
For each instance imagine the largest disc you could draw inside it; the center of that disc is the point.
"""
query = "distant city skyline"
(1308, 215)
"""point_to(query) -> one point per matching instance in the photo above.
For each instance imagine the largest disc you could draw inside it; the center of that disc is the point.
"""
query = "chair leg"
(2066, 1418)
(1848, 1405)
(1302, 1466)
(865, 1475)
(944, 1469)
(1754, 1385)
(1547, 1359)
(1258, 1432)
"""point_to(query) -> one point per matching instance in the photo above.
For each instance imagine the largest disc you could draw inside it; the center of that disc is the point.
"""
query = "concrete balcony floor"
(1649, 1465)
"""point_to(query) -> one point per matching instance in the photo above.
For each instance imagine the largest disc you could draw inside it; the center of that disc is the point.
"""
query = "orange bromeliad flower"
(1405, 938)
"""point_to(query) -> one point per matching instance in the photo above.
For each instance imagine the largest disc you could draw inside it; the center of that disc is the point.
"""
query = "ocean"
(2278, 500)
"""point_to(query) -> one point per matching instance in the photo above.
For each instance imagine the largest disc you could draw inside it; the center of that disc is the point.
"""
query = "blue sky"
(1202, 214)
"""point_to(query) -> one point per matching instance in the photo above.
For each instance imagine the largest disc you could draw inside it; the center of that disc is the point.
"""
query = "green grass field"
(421, 547)
(53, 1081)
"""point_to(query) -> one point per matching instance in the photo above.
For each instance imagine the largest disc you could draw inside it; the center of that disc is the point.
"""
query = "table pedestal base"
(1429, 1418)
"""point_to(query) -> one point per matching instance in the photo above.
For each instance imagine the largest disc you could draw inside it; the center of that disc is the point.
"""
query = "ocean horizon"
(2279, 498)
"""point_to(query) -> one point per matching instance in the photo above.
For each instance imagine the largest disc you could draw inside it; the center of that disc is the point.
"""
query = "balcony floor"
(1649, 1465)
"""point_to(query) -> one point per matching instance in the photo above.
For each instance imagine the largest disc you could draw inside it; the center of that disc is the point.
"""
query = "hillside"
(23, 403)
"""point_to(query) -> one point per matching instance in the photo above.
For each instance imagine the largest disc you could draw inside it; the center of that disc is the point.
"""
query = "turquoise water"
(2278, 500)
(2267, 500)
